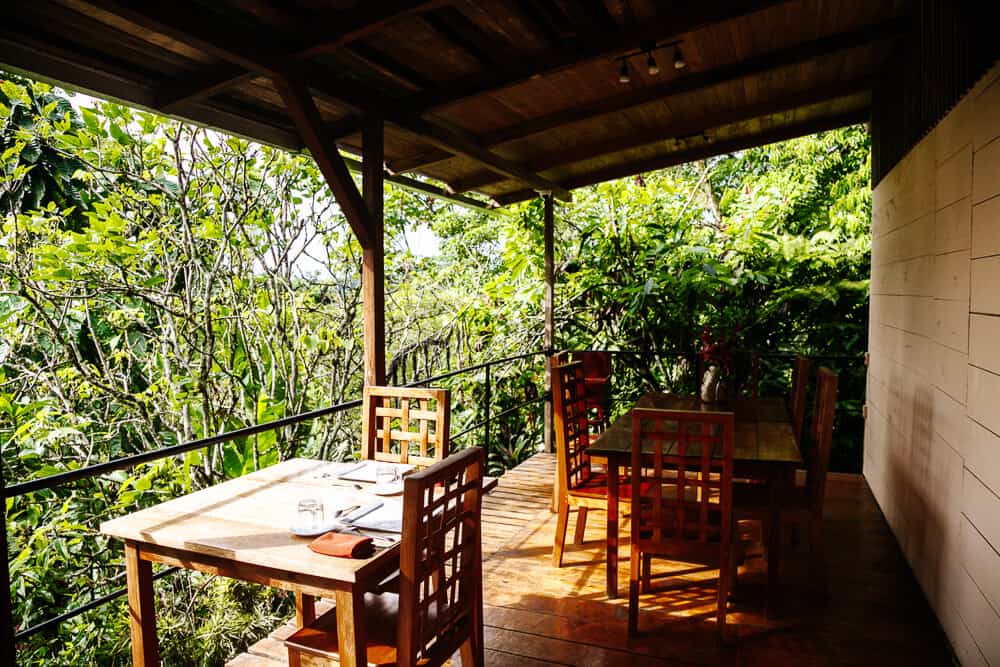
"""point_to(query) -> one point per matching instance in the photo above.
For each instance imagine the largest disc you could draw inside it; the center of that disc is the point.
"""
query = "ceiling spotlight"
(654, 68)
(679, 62)
(623, 73)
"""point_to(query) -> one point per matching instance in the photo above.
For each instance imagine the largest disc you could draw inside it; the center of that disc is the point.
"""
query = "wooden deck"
(538, 615)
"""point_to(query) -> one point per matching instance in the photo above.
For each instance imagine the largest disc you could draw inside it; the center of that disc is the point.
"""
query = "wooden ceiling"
(499, 97)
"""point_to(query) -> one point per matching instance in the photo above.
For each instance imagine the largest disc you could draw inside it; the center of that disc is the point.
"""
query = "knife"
(357, 514)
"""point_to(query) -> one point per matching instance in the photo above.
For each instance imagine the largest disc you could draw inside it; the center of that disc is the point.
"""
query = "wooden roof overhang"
(503, 98)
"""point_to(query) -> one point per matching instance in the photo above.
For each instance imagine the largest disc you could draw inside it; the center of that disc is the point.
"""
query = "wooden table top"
(763, 430)
(247, 520)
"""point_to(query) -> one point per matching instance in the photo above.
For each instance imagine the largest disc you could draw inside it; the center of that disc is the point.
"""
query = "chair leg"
(633, 592)
(562, 519)
(817, 558)
(647, 561)
(581, 525)
(294, 657)
(726, 560)
(472, 653)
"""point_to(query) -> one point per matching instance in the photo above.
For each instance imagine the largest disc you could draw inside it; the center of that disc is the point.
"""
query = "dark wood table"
(764, 450)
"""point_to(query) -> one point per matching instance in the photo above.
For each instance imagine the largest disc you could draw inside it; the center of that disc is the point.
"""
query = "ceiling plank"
(710, 149)
(456, 29)
(302, 109)
(584, 47)
(683, 128)
(366, 19)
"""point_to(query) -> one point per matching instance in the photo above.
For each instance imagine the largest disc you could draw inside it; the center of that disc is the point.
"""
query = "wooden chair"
(578, 485)
(439, 608)
(405, 424)
(797, 398)
(682, 490)
(596, 368)
(804, 504)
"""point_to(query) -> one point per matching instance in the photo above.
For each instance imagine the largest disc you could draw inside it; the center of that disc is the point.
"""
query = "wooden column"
(373, 265)
(363, 210)
(548, 311)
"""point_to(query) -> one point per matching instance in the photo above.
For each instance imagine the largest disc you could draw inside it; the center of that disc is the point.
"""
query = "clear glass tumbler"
(310, 513)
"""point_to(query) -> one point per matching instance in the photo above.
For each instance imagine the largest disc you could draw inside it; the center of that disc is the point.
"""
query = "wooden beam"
(350, 25)
(309, 122)
(683, 128)
(584, 47)
(181, 24)
(373, 253)
(548, 312)
(708, 150)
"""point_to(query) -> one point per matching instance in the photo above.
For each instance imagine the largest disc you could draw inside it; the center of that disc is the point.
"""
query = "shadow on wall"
(917, 518)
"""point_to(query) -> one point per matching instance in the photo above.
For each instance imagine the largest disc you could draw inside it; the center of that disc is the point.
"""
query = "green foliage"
(160, 283)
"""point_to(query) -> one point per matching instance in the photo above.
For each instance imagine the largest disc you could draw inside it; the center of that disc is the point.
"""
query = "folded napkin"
(343, 546)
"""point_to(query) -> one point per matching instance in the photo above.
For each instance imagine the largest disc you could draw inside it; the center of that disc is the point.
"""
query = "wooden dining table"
(241, 529)
(764, 450)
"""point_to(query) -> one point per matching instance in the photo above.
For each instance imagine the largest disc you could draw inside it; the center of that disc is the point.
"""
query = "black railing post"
(488, 397)
(8, 653)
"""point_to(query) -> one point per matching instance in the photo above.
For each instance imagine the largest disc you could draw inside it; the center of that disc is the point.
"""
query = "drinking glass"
(310, 513)
(386, 475)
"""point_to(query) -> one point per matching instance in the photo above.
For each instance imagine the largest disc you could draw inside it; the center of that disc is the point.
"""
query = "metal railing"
(8, 635)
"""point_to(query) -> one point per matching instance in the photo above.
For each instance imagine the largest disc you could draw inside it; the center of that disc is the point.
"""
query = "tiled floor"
(538, 615)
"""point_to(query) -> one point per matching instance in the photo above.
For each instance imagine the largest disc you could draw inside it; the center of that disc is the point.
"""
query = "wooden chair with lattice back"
(682, 490)
(804, 504)
(439, 608)
(578, 485)
(797, 397)
(405, 424)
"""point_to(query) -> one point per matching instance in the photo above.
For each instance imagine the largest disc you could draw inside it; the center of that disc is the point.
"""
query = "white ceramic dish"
(393, 489)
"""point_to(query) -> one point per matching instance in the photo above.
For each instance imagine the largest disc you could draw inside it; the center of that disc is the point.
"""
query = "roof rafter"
(181, 23)
(684, 128)
(350, 26)
(710, 149)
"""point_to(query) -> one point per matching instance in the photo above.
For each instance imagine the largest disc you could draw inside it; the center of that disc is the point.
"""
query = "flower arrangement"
(716, 350)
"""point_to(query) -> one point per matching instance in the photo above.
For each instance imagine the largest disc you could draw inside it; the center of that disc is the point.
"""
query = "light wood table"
(764, 450)
(240, 529)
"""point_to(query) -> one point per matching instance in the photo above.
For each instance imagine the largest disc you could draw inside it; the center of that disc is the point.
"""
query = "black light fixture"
(679, 62)
(623, 72)
(651, 64)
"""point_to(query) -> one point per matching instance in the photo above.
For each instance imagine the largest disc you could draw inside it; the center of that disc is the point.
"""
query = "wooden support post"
(373, 266)
(8, 653)
(548, 310)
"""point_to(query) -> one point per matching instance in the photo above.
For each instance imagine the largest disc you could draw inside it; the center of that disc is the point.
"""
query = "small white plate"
(393, 489)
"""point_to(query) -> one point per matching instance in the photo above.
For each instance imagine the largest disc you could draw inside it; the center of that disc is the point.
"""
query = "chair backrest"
(569, 412)
(682, 480)
(797, 399)
(405, 424)
(440, 559)
(824, 409)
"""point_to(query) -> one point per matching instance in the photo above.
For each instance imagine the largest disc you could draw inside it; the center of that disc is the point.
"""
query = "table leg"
(305, 609)
(351, 627)
(142, 613)
(612, 537)
(779, 483)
